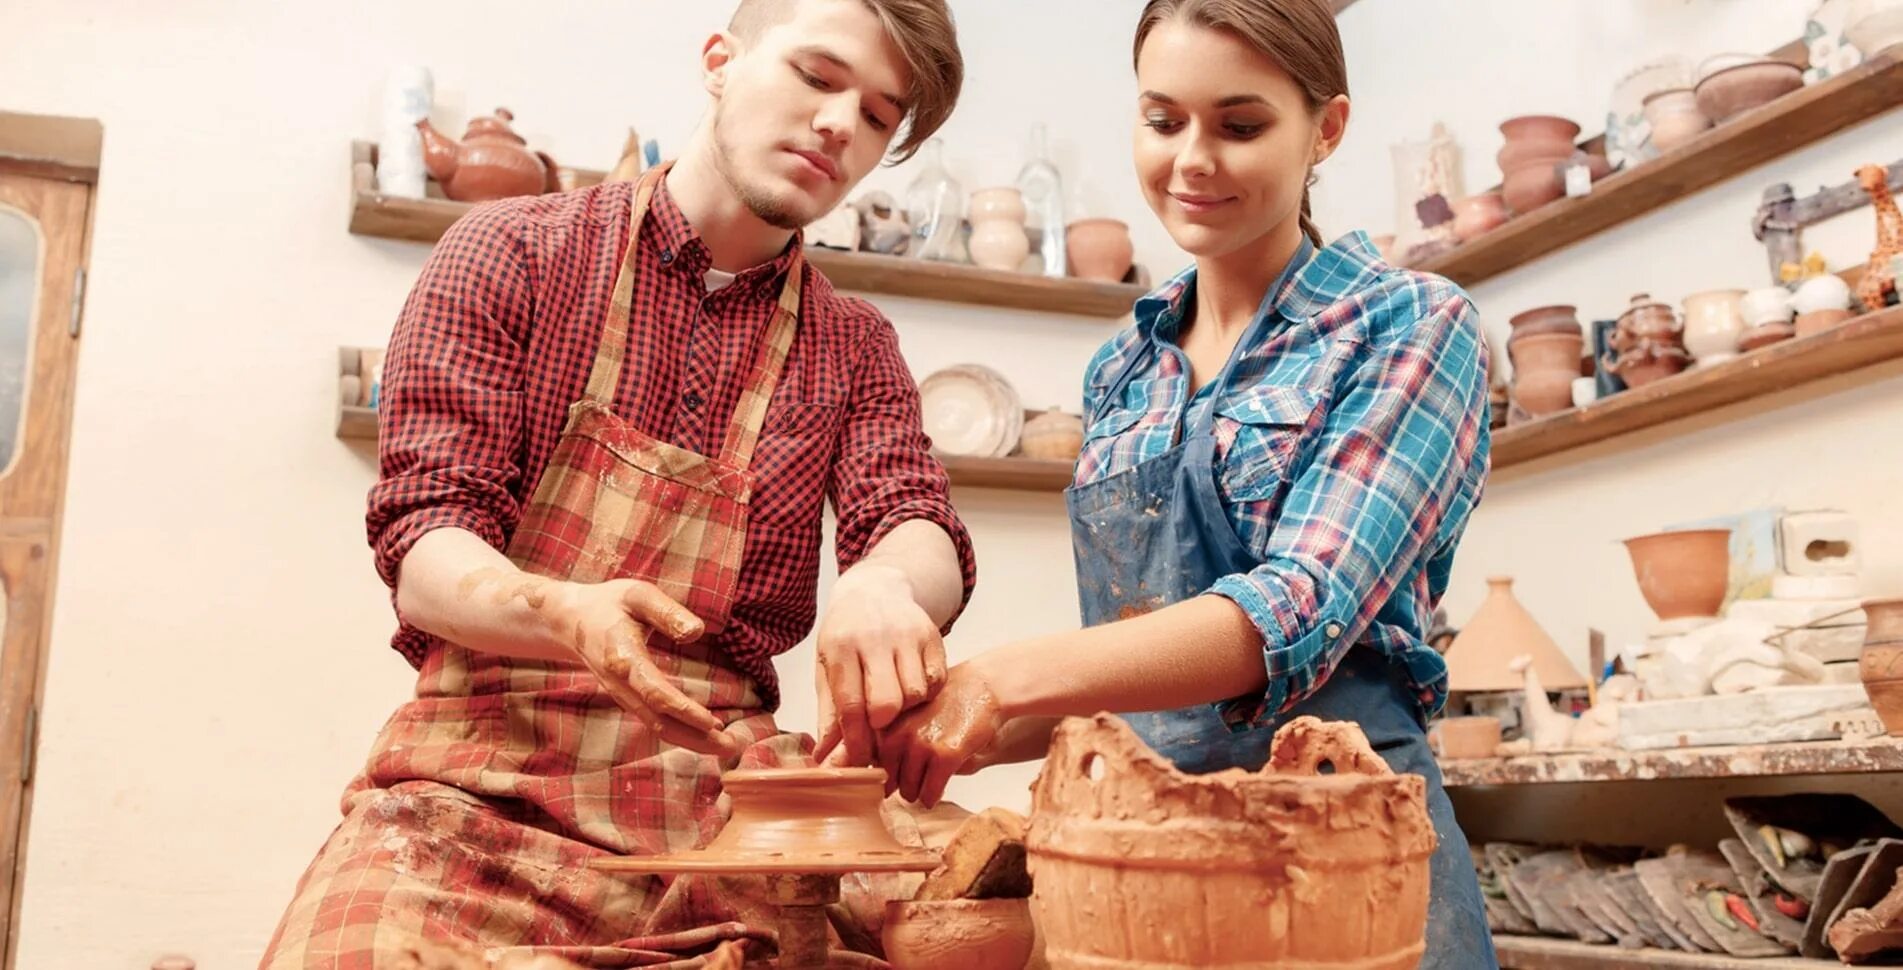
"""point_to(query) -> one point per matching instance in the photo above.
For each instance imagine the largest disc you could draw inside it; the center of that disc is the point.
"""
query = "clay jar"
(1714, 321)
(1100, 249)
(1881, 663)
(1052, 436)
(491, 162)
(1544, 368)
(1137, 864)
(998, 240)
(1650, 361)
(1559, 318)
(1674, 117)
(1684, 573)
(1454, 738)
(1476, 215)
(1535, 145)
(958, 934)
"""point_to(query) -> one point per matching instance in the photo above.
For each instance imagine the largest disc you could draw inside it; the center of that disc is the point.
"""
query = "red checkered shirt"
(496, 341)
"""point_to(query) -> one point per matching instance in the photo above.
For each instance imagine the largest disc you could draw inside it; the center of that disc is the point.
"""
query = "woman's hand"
(928, 744)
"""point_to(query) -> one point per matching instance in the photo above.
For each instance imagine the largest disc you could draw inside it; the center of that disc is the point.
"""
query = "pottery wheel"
(802, 828)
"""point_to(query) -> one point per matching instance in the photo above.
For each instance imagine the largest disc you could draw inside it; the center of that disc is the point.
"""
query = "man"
(611, 420)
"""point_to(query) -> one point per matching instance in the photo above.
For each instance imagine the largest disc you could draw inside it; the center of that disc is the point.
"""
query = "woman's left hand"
(928, 744)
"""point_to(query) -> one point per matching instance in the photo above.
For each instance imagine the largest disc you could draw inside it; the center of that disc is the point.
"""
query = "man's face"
(806, 109)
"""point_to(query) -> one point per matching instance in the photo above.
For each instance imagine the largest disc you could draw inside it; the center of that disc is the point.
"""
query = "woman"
(1279, 460)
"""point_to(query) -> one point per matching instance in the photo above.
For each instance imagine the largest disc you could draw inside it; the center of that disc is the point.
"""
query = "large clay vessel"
(1684, 573)
(1544, 366)
(1138, 865)
(1881, 664)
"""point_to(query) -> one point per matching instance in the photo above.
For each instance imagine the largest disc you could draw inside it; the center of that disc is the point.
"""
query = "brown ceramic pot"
(1535, 138)
(1531, 186)
(1100, 249)
(1054, 435)
(1730, 92)
(1137, 864)
(1650, 362)
(491, 162)
(1544, 320)
(1881, 663)
(1476, 215)
(1646, 318)
(1684, 573)
(958, 934)
(1544, 368)
(1764, 335)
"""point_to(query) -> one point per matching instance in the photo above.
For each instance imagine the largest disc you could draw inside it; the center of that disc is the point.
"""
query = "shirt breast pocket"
(791, 460)
(1259, 435)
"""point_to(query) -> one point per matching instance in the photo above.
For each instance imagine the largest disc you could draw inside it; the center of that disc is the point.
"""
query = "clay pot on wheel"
(1881, 663)
(958, 934)
(1213, 880)
(1684, 573)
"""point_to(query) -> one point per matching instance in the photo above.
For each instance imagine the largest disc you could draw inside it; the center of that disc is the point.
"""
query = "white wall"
(218, 661)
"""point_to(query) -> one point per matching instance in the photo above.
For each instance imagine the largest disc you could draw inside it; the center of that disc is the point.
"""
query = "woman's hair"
(1298, 35)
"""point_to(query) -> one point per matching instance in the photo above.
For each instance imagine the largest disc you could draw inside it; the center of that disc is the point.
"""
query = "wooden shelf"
(1542, 953)
(1019, 474)
(425, 220)
(1871, 339)
(1800, 118)
(1733, 761)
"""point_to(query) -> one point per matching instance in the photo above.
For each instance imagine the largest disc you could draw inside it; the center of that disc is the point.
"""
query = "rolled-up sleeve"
(450, 406)
(884, 474)
(1392, 464)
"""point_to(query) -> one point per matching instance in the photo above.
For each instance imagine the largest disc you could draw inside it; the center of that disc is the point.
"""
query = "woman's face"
(1224, 139)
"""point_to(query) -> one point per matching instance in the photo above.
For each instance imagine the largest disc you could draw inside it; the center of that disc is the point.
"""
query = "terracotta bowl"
(1684, 573)
(1730, 92)
(1764, 335)
(1100, 249)
(1477, 215)
(957, 934)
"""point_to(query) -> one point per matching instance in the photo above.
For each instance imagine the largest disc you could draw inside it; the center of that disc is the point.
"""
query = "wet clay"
(1136, 864)
(958, 934)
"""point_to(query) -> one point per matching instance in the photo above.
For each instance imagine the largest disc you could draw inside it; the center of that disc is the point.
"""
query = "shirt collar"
(681, 249)
(1314, 281)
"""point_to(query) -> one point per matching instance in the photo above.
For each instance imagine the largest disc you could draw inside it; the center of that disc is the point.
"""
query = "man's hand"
(879, 655)
(607, 625)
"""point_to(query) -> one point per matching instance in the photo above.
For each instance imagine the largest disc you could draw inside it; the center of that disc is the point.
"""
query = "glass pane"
(19, 285)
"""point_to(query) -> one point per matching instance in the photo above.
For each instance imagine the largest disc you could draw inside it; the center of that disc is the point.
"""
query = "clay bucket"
(1137, 864)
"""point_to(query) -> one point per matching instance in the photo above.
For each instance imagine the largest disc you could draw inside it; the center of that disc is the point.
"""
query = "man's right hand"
(607, 624)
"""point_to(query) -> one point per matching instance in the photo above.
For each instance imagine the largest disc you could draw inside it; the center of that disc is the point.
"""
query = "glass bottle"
(1043, 190)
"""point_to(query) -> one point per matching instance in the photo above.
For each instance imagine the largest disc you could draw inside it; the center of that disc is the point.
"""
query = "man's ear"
(716, 56)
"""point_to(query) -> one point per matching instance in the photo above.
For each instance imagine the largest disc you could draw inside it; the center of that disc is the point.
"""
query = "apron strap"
(749, 415)
(606, 375)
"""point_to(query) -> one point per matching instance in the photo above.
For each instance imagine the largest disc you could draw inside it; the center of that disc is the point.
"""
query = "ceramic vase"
(997, 229)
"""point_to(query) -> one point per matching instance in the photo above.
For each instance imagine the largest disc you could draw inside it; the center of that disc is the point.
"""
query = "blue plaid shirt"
(1351, 435)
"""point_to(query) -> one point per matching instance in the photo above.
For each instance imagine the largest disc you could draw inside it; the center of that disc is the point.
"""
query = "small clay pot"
(997, 239)
(1560, 318)
(1544, 367)
(1732, 91)
(1764, 335)
(958, 934)
(1684, 573)
(1100, 249)
(1531, 186)
(1648, 362)
(1477, 215)
(1880, 665)
(1818, 321)
(1674, 117)
(1535, 139)
(1052, 436)
(1454, 738)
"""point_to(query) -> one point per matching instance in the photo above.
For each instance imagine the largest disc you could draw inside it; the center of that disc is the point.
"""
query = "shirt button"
(1333, 630)
(667, 256)
(693, 401)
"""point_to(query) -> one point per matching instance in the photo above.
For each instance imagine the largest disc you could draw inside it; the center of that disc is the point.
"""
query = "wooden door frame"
(64, 152)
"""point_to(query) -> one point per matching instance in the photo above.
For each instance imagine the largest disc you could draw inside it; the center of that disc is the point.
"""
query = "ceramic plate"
(971, 410)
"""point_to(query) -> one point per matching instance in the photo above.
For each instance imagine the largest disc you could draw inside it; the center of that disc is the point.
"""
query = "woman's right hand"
(607, 625)
(1021, 739)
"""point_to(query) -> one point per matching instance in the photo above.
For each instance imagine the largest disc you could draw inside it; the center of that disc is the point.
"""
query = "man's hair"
(926, 37)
